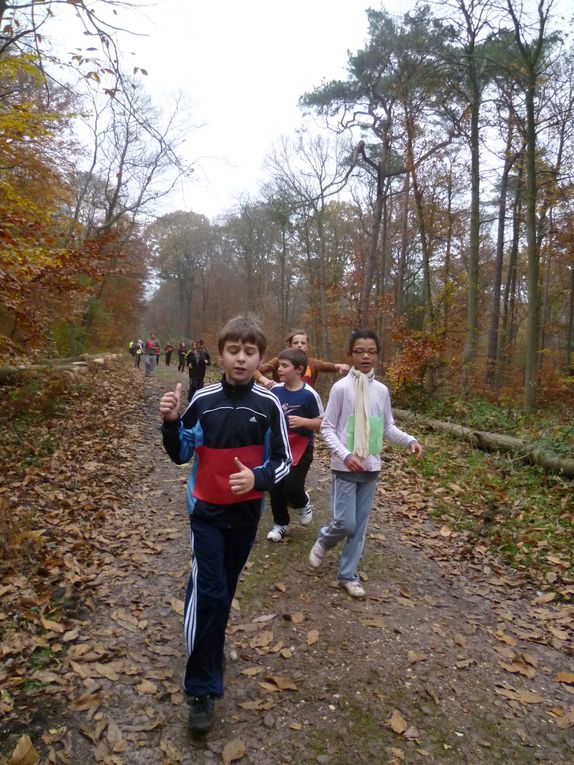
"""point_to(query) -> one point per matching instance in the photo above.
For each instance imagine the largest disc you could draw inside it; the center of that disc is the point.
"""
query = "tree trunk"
(325, 343)
(570, 333)
(425, 250)
(403, 247)
(381, 270)
(507, 337)
(495, 442)
(447, 260)
(533, 322)
(546, 263)
(283, 295)
(471, 340)
(492, 352)
(532, 51)
(371, 256)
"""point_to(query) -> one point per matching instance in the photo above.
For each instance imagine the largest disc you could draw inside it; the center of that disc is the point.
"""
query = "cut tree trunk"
(495, 442)
(11, 375)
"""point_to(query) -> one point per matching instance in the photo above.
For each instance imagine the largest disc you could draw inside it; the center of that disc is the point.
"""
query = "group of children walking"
(196, 359)
(248, 440)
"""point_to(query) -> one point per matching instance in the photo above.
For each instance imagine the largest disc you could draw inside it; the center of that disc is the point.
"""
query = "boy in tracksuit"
(238, 434)
(303, 411)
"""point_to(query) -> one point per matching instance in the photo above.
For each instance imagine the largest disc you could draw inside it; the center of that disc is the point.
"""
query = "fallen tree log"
(10, 375)
(481, 439)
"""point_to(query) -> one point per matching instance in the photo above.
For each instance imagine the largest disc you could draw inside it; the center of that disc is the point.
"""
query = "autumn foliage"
(73, 265)
(37, 263)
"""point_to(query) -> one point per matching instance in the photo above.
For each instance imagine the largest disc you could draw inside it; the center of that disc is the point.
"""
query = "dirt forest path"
(450, 659)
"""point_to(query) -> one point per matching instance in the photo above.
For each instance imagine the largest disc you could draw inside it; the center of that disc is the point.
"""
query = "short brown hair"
(244, 329)
(292, 333)
(295, 355)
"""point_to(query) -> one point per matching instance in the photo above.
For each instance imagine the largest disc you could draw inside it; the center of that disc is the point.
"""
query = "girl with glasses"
(357, 419)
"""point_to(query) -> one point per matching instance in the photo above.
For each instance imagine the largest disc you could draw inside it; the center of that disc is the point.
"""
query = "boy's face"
(364, 354)
(287, 372)
(299, 341)
(239, 361)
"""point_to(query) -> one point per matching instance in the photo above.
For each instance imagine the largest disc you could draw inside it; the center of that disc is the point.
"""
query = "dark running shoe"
(200, 714)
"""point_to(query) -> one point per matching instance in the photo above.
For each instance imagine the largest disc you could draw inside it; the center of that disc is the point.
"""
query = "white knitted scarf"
(362, 428)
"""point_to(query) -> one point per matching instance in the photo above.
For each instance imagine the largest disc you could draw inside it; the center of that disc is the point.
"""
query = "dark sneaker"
(200, 714)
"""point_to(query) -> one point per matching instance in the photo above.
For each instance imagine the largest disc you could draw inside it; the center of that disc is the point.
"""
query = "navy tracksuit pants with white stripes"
(219, 555)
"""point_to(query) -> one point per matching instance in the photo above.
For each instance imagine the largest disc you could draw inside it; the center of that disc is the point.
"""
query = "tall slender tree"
(533, 47)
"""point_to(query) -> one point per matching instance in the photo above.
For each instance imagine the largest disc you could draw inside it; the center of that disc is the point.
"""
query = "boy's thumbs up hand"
(243, 481)
(170, 403)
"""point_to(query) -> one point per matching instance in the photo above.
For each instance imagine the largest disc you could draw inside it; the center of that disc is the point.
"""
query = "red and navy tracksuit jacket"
(225, 421)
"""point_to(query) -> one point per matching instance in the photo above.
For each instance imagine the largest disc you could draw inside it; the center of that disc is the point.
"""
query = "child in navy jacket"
(236, 432)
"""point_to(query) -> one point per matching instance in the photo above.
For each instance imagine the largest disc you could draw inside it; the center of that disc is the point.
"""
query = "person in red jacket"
(152, 350)
(168, 351)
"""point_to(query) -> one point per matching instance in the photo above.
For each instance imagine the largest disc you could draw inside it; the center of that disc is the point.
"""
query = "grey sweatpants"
(351, 503)
(149, 365)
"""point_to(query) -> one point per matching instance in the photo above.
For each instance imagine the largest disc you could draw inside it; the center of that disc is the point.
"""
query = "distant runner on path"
(197, 360)
(181, 354)
(139, 352)
(151, 350)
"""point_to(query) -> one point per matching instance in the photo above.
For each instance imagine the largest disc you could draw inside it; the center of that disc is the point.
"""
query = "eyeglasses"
(364, 352)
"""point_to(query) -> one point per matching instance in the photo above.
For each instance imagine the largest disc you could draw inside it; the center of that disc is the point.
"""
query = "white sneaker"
(316, 555)
(306, 513)
(277, 533)
(354, 589)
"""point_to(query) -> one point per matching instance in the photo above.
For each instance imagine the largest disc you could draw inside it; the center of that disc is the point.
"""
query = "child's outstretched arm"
(263, 370)
(329, 366)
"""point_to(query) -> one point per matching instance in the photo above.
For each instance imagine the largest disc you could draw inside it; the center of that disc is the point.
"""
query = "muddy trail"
(451, 658)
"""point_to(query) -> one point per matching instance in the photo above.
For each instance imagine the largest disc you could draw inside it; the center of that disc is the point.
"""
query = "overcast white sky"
(244, 64)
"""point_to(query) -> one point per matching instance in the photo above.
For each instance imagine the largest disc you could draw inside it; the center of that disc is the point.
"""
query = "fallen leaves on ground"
(312, 637)
(233, 751)
(24, 753)
(397, 722)
(522, 696)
